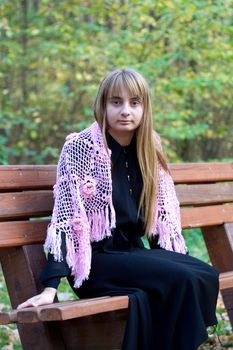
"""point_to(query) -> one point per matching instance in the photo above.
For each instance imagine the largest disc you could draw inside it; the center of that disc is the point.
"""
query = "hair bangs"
(125, 80)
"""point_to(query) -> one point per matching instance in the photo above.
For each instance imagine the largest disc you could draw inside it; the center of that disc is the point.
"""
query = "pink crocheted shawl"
(83, 207)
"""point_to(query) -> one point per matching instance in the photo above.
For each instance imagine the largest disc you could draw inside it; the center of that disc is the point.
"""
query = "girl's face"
(124, 115)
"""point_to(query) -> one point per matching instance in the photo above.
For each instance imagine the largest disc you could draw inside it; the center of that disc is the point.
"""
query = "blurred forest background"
(53, 54)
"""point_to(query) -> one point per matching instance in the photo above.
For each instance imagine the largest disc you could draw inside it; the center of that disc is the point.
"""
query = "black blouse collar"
(116, 148)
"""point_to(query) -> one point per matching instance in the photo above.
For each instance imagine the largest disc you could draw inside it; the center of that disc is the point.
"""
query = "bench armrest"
(65, 310)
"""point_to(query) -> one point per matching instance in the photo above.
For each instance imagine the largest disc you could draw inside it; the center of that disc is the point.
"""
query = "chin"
(126, 128)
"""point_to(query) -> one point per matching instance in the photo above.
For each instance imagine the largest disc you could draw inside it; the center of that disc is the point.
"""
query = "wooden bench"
(205, 192)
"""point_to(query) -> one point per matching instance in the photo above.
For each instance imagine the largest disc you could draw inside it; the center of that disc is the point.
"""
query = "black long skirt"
(172, 296)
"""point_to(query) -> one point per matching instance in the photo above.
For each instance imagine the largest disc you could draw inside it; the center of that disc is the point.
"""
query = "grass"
(220, 337)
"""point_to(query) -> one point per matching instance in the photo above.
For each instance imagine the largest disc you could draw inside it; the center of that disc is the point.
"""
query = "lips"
(124, 121)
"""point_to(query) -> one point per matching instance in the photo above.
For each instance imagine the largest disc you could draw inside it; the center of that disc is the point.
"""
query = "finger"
(23, 305)
(30, 302)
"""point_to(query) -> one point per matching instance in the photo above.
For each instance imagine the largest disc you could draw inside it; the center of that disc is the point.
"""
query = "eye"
(135, 102)
(115, 101)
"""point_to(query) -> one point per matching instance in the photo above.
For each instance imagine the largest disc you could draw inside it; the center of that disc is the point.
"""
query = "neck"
(123, 139)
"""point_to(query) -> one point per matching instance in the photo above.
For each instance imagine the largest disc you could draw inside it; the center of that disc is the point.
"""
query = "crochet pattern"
(83, 206)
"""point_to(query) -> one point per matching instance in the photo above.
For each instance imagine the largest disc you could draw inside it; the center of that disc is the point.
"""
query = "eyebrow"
(131, 98)
(113, 97)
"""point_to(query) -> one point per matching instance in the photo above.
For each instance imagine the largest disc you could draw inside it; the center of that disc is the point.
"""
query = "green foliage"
(196, 244)
(53, 56)
(8, 333)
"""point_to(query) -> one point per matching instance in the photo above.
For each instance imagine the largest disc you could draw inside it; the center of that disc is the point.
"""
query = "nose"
(125, 112)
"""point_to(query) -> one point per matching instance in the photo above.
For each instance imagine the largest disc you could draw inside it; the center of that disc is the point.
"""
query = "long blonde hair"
(149, 151)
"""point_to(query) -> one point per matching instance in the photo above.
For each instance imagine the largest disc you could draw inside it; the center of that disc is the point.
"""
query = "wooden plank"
(43, 176)
(226, 280)
(83, 308)
(201, 172)
(17, 233)
(32, 314)
(8, 317)
(206, 216)
(205, 193)
(26, 204)
(27, 176)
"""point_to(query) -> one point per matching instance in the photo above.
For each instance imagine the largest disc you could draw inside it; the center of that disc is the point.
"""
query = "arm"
(55, 270)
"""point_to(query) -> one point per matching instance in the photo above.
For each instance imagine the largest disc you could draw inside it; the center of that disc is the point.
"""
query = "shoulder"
(81, 140)
(85, 144)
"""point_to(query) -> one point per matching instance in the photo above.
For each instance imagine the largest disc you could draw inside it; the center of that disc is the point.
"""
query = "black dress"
(172, 295)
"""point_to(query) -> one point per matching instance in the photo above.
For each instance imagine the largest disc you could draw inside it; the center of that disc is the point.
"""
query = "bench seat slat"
(7, 317)
(205, 194)
(65, 310)
(206, 216)
(18, 233)
(85, 308)
(26, 204)
(27, 177)
(201, 172)
(226, 280)
(32, 314)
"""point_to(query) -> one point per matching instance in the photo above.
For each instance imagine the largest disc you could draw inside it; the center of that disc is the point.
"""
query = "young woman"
(113, 187)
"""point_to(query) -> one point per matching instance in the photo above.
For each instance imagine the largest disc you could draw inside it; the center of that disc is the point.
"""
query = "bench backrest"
(26, 197)
(206, 187)
(205, 192)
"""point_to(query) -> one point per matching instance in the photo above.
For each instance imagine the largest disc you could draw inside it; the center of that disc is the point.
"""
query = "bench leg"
(227, 295)
(219, 243)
